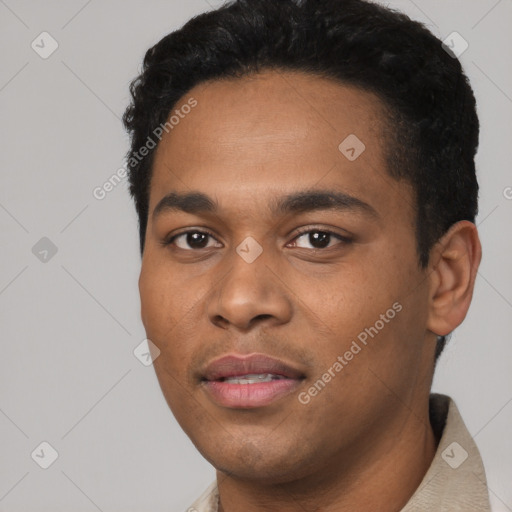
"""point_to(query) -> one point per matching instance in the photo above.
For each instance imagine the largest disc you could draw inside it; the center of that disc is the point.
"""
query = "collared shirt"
(455, 481)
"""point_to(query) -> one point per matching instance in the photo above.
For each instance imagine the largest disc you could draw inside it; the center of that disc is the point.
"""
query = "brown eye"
(193, 240)
(318, 239)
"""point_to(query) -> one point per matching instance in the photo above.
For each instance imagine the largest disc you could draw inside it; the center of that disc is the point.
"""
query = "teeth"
(253, 378)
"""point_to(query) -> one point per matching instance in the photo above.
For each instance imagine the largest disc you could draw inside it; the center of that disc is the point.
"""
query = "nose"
(250, 293)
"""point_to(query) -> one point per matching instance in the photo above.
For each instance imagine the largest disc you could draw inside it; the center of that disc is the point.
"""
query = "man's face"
(302, 283)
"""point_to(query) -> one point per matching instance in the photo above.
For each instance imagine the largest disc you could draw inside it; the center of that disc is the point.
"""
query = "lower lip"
(250, 395)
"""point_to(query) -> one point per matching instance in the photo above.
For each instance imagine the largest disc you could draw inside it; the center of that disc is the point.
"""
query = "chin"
(256, 460)
(266, 472)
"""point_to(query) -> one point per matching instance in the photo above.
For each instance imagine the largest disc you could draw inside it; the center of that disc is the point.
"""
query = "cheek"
(170, 308)
(371, 301)
(349, 300)
(156, 309)
(163, 314)
(164, 302)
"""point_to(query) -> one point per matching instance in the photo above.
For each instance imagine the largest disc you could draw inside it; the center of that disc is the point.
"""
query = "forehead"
(275, 109)
(274, 131)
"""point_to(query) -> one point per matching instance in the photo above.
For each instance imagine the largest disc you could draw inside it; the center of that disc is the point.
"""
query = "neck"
(383, 479)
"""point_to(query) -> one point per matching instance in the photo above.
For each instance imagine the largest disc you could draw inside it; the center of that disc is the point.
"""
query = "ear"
(453, 266)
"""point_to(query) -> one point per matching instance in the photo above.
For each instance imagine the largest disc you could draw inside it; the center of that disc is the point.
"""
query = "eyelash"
(301, 231)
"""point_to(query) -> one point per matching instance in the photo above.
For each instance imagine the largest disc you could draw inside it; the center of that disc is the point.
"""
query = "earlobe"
(453, 268)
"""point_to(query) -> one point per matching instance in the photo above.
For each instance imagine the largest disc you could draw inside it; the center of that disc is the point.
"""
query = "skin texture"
(364, 442)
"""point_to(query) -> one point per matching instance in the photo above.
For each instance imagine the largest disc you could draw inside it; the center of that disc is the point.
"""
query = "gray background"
(69, 325)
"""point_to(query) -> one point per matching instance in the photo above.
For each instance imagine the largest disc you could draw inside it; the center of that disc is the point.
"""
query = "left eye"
(318, 239)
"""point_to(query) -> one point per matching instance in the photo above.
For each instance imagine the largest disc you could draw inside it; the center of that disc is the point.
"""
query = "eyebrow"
(297, 202)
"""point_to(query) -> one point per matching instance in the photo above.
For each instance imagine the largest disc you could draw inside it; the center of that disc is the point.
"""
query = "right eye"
(193, 240)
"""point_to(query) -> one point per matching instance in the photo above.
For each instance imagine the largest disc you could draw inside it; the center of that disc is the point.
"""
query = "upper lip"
(238, 365)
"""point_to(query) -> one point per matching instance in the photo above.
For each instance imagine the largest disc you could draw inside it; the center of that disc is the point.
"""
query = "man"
(305, 183)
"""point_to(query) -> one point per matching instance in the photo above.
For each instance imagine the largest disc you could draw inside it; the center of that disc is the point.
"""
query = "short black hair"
(429, 104)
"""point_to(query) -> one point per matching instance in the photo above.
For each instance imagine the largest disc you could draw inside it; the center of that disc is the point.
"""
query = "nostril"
(262, 317)
(220, 321)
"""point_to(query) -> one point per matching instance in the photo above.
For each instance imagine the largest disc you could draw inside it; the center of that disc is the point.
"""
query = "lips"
(249, 381)
(259, 364)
